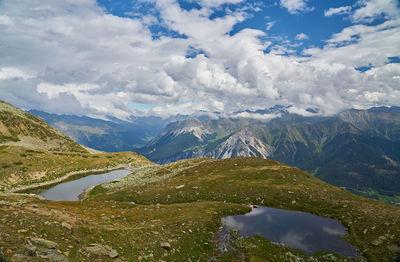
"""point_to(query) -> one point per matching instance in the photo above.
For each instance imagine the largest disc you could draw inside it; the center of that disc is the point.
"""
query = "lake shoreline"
(70, 174)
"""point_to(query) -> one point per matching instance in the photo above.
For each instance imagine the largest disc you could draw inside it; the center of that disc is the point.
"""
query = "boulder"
(165, 245)
(66, 225)
(101, 250)
(45, 242)
(52, 255)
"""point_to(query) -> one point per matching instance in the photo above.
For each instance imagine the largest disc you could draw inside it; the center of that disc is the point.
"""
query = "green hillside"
(19, 128)
(261, 182)
(358, 149)
(171, 212)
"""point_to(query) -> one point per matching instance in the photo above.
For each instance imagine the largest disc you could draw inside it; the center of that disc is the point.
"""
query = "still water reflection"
(69, 191)
(298, 230)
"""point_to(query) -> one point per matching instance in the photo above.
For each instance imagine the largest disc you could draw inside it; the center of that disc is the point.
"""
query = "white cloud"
(215, 3)
(302, 36)
(295, 6)
(372, 9)
(270, 25)
(72, 57)
(255, 116)
(338, 11)
(10, 73)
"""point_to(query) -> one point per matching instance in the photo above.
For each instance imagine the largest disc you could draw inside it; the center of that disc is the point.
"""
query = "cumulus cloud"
(72, 57)
(372, 9)
(302, 36)
(338, 11)
(295, 6)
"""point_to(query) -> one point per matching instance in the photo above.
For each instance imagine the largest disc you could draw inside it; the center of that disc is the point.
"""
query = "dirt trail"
(60, 179)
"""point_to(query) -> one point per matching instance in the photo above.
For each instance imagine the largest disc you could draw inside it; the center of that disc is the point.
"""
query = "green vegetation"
(182, 204)
(20, 128)
(134, 231)
(167, 213)
(373, 227)
(359, 150)
(41, 166)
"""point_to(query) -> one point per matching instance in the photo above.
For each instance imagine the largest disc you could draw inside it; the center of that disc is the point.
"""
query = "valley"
(167, 212)
(199, 131)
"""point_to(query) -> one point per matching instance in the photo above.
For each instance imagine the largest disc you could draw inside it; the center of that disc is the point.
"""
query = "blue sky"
(169, 57)
(283, 25)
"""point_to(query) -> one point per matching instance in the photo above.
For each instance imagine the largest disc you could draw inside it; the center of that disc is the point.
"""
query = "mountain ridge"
(350, 149)
(19, 128)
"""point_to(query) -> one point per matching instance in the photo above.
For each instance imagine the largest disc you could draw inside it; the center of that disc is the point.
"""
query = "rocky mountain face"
(191, 138)
(356, 149)
(241, 144)
(19, 128)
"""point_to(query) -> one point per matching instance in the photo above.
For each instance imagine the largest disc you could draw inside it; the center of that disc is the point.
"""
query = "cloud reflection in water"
(299, 230)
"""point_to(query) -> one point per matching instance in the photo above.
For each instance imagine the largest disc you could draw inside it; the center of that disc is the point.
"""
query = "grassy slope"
(20, 128)
(20, 166)
(188, 218)
(263, 182)
(134, 231)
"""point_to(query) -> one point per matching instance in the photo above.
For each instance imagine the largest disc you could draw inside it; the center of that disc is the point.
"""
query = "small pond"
(69, 191)
(299, 230)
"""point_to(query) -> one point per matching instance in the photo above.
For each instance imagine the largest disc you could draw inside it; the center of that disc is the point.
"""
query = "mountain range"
(111, 135)
(356, 149)
(174, 212)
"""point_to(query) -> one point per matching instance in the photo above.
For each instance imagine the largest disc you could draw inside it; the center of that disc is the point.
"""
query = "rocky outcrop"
(241, 144)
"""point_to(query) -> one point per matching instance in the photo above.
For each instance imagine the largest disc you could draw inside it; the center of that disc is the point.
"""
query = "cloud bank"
(73, 57)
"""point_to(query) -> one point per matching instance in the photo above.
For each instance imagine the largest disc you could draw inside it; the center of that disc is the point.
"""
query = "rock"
(378, 241)
(35, 206)
(165, 245)
(19, 258)
(22, 231)
(179, 187)
(100, 250)
(45, 242)
(30, 250)
(113, 254)
(52, 255)
(66, 225)
(56, 212)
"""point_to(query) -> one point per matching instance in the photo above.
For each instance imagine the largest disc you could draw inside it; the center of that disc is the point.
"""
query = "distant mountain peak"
(189, 125)
(241, 144)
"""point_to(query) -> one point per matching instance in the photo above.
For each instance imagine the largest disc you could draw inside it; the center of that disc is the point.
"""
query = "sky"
(122, 58)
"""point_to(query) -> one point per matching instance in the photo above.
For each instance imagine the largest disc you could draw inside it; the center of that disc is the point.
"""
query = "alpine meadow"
(207, 130)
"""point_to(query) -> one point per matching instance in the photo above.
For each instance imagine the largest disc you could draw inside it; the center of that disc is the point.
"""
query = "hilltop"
(19, 128)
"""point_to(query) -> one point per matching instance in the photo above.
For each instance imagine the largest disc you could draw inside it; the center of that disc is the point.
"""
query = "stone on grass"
(101, 250)
(66, 225)
(165, 245)
(45, 242)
